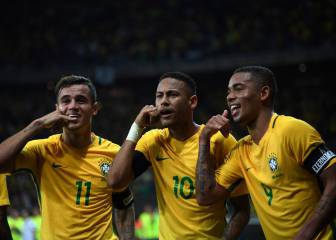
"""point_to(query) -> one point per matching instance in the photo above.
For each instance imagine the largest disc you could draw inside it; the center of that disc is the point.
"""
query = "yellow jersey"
(4, 200)
(174, 167)
(283, 190)
(76, 201)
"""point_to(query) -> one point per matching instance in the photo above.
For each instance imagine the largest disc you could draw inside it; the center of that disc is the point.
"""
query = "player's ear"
(265, 93)
(193, 101)
(96, 107)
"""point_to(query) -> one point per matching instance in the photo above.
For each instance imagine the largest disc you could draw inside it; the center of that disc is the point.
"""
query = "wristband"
(134, 133)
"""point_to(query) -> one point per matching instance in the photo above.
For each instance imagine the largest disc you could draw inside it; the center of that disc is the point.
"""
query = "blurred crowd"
(115, 32)
(25, 224)
(147, 224)
(305, 95)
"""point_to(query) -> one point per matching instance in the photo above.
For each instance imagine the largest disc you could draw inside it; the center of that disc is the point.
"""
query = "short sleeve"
(229, 174)
(4, 199)
(301, 138)
(150, 143)
(220, 147)
(144, 144)
(28, 158)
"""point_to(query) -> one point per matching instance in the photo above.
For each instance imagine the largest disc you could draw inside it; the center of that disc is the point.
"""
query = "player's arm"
(325, 210)
(13, 145)
(207, 189)
(125, 166)
(123, 212)
(240, 217)
(5, 232)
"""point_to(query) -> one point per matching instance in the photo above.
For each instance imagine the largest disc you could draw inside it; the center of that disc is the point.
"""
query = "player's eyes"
(65, 101)
(173, 94)
(81, 100)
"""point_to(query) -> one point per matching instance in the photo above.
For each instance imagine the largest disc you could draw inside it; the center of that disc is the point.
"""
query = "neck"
(77, 139)
(183, 131)
(258, 127)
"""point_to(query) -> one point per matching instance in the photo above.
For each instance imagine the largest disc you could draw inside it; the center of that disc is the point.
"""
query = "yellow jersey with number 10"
(174, 167)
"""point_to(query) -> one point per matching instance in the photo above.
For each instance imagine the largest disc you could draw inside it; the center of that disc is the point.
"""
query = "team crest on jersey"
(104, 167)
(273, 162)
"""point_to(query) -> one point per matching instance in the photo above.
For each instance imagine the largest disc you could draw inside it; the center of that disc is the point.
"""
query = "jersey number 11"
(79, 185)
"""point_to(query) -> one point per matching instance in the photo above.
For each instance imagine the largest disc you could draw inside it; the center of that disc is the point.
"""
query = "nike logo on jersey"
(248, 168)
(159, 158)
(54, 165)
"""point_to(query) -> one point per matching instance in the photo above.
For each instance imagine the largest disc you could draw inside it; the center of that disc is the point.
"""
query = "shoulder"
(155, 135)
(290, 125)
(219, 138)
(104, 143)
(239, 146)
(50, 141)
(223, 144)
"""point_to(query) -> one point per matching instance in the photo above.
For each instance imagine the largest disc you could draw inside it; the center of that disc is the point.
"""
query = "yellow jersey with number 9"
(283, 190)
(174, 166)
(76, 202)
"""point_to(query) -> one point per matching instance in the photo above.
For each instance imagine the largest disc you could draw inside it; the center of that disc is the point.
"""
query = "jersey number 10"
(179, 187)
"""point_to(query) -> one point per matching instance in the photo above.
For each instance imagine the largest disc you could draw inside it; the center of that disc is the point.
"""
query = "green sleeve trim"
(234, 185)
(273, 125)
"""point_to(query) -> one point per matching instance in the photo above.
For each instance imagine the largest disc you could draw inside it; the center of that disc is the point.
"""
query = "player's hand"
(55, 117)
(147, 116)
(217, 123)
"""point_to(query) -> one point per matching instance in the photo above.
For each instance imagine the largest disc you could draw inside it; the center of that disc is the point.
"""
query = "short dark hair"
(75, 80)
(182, 77)
(263, 76)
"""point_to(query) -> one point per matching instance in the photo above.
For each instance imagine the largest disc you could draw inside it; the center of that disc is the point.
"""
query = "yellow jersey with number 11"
(76, 202)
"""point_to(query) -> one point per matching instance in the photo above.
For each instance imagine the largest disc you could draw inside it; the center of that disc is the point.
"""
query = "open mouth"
(164, 113)
(74, 116)
(234, 108)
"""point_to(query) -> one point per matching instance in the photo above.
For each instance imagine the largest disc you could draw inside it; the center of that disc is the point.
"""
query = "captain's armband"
(122, 200)
(318, 159)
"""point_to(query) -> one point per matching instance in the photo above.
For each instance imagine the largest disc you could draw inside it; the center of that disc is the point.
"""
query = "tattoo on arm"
(205, 174)
(325, 210)
(324, 213)
(326, 206)
(124, 222)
